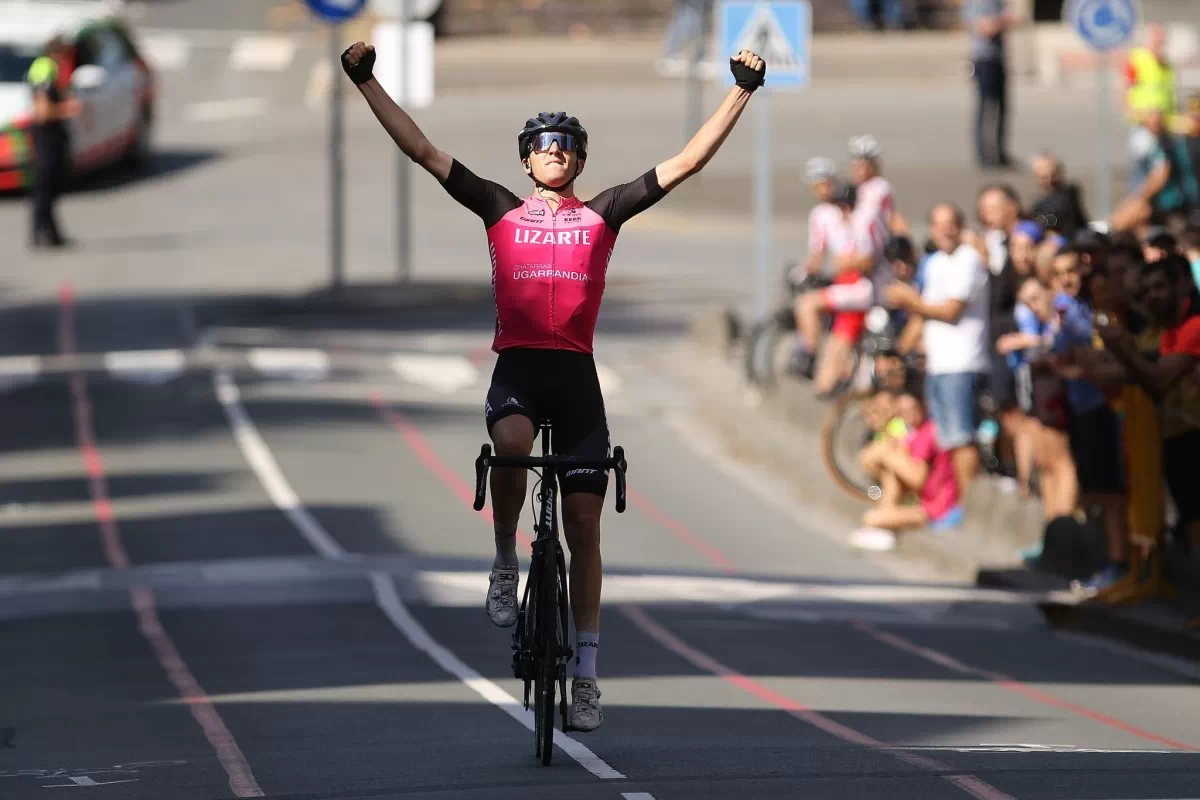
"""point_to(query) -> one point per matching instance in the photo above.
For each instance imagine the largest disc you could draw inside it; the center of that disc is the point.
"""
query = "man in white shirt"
(954, 307)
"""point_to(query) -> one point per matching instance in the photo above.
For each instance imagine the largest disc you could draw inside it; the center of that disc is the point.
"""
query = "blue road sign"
(779, 31)
(336, 10)
(1103, 24)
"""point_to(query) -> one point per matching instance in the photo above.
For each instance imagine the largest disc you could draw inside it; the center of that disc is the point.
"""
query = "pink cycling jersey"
(549, 267)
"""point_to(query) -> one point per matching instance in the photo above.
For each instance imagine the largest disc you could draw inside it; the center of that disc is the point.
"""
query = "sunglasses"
(542, 142)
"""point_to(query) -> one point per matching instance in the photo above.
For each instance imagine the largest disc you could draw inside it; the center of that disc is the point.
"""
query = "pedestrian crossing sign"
(779, 31)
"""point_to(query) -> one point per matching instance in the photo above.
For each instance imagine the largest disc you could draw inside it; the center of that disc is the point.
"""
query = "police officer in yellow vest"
(1150, 78)
(51, 141)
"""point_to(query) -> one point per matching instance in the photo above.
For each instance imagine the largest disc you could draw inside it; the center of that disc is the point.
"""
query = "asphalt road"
(237, 556)
(257, 572)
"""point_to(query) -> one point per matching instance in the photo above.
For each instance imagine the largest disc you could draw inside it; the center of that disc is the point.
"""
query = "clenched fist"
(749, 70)
(358, 60)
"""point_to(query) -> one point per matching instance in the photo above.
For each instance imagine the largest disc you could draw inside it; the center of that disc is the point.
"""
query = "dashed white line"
(637, 796)
(18, 371)
(296, 363)
(320, 81)
(221, 110)
(258, 455)
(150, 366)
(166, 52)
(444, 373)
(262, 54)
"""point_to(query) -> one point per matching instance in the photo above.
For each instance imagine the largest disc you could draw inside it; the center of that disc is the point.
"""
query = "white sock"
(506, 547)
(587, 645)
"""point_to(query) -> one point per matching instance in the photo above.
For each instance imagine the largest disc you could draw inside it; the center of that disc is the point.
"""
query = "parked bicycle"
(772, 341)
(540, 651)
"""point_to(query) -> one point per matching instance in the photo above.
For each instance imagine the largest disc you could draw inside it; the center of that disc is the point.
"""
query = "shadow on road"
(162, 163)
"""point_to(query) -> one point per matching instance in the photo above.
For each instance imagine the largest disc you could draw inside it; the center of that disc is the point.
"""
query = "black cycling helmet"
(551, 121)
(845, 194)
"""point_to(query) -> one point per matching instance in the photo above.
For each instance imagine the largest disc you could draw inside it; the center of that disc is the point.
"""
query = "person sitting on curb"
(912, 465)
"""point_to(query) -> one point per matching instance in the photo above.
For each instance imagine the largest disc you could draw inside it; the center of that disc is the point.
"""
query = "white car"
(105, 72)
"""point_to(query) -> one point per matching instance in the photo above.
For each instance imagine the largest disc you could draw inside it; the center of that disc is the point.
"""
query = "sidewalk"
(780, 432)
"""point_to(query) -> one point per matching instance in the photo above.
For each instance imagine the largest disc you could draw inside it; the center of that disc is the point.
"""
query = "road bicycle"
(540, 650)
(772, 341)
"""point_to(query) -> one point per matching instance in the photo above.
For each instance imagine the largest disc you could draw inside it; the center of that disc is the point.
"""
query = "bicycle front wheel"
(845, 434)
(547, 657)
(770, 347)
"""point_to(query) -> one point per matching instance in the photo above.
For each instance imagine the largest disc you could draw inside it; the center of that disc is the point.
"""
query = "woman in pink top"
(914, 465)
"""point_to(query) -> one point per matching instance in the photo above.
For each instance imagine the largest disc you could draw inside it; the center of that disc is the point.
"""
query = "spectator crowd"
(1077, 341)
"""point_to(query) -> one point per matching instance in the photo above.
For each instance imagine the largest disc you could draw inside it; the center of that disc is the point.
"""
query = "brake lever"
(481, 471)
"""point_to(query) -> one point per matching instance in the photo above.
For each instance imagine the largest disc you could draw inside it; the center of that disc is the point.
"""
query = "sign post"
(335, 12)
(780, 31)
(404, 68)
(1104, 25)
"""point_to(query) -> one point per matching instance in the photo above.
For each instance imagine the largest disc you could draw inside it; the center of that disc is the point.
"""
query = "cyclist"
(550, 253)
(876, 202)
(825, 216)
(848, 300)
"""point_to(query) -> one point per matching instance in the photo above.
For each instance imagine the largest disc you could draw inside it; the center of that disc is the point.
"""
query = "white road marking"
(18, 371)
(320, 81)
(397, 612)
(166, 52)
(199, 37)
(258, 455)
(86, 781)
(131, 767)
(637, 796)
(149, 366)
(610, 381)
(262, 54)
(295, 363)
(444, 373)
(463, 588)
(221, 110)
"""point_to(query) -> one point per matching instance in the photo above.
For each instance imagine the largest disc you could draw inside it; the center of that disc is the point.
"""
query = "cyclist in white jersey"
(876, 211)
(875, 198)
(824, 218)
(852, 253)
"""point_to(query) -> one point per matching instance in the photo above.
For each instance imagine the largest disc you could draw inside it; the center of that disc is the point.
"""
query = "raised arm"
(749, 71)
(358, 60)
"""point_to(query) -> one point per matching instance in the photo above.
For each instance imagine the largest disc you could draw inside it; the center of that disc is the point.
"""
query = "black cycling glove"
(361, 72)
(747, 78)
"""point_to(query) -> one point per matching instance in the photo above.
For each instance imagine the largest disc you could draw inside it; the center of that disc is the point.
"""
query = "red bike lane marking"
(1013, 685)
(241, 778)
(424, 452)
(680, 531)
(972, 785)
